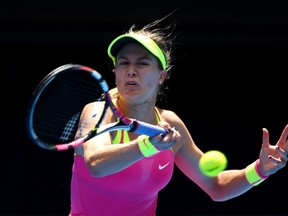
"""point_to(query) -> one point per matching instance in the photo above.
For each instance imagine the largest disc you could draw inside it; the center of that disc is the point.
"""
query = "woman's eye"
(123, 63)
(143, 63)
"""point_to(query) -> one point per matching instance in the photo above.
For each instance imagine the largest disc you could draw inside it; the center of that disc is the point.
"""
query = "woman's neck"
(140, 111)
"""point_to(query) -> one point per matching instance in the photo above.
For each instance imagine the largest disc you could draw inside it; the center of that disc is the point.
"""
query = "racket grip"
(140, 127)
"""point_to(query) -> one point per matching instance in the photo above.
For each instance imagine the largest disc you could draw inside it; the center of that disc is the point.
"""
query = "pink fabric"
(133, 191)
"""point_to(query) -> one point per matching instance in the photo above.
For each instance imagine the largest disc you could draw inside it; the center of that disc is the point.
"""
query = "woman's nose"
(131, 71)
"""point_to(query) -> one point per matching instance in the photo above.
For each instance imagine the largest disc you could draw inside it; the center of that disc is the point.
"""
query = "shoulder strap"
(122, 135)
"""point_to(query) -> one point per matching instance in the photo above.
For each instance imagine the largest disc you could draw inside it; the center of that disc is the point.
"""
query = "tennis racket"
(57, 102)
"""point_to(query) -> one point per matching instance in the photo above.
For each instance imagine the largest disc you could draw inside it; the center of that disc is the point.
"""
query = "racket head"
(56, 104)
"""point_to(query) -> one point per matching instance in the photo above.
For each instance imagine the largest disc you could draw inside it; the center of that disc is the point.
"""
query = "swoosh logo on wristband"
(160, 167)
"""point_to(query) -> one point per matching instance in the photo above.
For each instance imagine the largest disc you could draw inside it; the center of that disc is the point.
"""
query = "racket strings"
(57, 113)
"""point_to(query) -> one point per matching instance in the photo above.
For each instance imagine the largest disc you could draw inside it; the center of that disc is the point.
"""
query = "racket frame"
(124, 123)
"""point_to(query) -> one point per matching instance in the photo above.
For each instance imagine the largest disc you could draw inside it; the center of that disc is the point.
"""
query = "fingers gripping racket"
(57, 102)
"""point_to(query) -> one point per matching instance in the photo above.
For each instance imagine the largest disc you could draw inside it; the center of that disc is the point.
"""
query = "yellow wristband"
(253, 176)
(146, 147)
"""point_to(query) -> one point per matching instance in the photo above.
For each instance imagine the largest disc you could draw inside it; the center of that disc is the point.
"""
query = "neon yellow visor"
(148, 43)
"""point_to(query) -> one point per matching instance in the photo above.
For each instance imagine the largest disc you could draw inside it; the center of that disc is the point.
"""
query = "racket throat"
(133, 125)
(91, 134)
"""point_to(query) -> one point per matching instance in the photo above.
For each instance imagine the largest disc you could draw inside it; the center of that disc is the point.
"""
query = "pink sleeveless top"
(130, 192)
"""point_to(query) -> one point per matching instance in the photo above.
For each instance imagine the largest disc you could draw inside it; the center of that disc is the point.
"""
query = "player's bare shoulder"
(169, 116)
(91, 112)
(93, 107)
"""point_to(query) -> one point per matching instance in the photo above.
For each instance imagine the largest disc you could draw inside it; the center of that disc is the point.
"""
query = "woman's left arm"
(231, 183)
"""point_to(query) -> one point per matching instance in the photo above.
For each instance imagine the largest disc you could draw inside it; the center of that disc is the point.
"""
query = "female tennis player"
(121, 173)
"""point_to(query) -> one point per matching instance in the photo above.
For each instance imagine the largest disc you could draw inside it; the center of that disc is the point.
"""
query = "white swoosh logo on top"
(160, 167)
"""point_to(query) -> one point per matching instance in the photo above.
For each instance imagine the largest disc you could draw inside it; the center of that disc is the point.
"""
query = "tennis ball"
(212, 163)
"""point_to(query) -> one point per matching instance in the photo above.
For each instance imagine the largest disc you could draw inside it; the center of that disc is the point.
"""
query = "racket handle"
(140, 127)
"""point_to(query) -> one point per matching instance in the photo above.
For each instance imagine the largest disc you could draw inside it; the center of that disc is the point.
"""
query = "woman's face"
(137, 73)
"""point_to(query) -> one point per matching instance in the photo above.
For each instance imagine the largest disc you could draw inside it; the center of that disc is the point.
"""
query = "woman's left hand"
(273, 158)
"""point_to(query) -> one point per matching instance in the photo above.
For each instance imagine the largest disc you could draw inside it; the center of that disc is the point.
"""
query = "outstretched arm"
(232, 183)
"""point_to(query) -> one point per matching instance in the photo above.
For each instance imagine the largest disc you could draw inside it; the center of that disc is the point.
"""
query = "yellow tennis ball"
(212, 163)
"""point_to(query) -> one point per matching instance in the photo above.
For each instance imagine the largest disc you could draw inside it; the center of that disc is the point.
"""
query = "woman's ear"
(163, 76)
